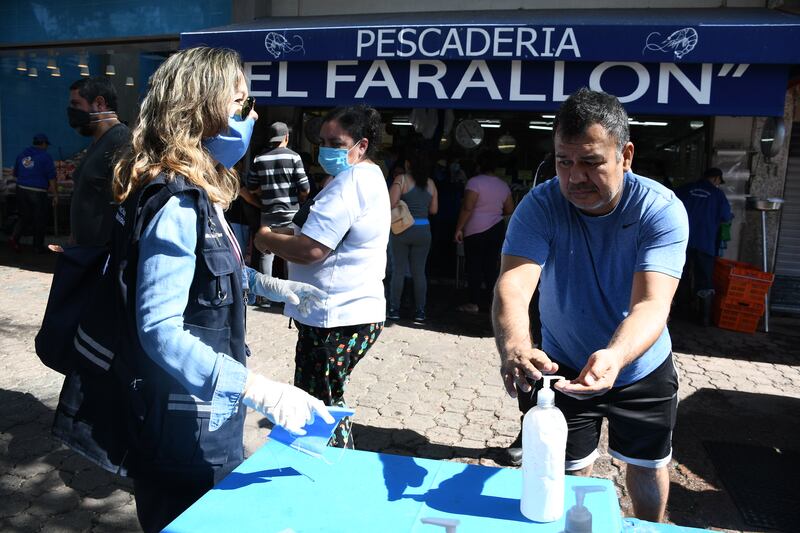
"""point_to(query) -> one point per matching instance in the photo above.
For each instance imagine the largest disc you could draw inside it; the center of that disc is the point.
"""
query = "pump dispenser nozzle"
(546, 395)
(579, 519)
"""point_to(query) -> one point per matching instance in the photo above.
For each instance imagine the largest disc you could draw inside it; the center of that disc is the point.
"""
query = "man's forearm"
(640, 329)
(510, 319)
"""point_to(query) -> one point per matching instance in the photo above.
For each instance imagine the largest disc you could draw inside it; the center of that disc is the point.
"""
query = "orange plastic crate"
(733, 304)
(734, 280)
(732, 319)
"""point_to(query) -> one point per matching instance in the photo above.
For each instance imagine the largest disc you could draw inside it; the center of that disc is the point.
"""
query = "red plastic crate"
(736, 320)
(728, 303)
(734, 280)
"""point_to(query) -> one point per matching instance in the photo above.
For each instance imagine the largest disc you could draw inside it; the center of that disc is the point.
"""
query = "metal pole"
(764, 253)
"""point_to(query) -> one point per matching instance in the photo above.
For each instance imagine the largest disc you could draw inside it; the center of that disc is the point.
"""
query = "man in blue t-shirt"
(36, 174)
(707, 208)
(608, 248)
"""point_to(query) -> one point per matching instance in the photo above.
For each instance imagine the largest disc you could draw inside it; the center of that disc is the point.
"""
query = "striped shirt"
(280, 175)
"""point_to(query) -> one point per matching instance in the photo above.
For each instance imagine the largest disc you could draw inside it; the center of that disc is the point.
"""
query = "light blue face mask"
(334, 160)
(230, 146)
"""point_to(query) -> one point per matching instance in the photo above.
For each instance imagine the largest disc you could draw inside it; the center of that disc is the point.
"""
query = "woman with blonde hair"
(186, 294)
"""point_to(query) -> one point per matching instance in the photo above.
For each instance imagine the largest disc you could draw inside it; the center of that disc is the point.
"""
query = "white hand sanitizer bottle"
(544, 443)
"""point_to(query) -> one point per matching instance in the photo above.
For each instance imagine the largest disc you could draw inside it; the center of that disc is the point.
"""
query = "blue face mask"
(334, 160)
(230, 146)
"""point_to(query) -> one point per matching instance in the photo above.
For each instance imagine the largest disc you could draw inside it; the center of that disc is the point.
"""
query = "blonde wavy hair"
(188, 100)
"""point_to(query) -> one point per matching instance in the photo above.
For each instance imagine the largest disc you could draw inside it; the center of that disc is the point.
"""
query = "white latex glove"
(306, 297)
(284, 404)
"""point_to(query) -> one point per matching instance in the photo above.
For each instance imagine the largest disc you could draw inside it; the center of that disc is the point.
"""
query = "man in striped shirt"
(278, 177)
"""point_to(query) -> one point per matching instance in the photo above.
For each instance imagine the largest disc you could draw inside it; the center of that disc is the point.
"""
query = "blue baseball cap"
(40, 138)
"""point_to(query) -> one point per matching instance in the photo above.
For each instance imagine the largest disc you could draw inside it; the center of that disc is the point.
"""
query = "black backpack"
(88, 334)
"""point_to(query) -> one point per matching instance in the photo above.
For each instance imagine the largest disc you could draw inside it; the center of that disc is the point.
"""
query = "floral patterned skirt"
(324, 359)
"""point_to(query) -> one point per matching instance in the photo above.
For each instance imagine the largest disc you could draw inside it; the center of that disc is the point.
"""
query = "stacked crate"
(740, 295)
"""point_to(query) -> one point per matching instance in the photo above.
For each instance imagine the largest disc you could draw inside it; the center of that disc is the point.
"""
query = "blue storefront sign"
(698, 62)
(659, 88)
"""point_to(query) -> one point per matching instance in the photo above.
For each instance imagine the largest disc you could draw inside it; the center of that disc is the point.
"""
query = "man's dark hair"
(584, 108)
(94, 86)
(712, 172)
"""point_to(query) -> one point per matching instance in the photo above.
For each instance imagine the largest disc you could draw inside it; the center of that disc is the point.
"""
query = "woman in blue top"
(190, 285)
(410, 248)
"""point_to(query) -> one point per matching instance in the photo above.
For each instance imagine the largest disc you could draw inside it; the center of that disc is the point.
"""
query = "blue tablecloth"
(279, 489)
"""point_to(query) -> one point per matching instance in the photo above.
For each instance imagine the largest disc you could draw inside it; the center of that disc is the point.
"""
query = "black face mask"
(78, 118)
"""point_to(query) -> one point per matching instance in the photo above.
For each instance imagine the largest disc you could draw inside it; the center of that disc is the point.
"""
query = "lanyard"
(229, 233)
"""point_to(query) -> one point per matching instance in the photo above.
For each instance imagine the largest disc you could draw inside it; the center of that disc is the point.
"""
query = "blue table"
(279, 489)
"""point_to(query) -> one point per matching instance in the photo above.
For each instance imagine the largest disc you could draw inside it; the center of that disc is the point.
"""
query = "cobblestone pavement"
(431, 392)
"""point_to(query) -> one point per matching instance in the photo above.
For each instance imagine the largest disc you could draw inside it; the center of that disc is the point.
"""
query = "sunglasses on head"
(247, 106)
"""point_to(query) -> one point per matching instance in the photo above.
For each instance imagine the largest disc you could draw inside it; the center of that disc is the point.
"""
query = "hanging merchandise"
(424, 121)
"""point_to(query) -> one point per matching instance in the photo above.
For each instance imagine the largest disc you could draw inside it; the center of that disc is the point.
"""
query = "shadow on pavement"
(408, 442)
(27, 260)
(780, 346)
(699, 498)
(39, 478)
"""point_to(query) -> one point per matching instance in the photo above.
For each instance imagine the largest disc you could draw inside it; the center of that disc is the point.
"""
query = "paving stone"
(441, 385)
(483, 403)
(450, 419)
(462, 393)
(481, 417)
(457, 406)
(68, 522)
(476, 432)
(104, 499)
(117, 521)
(396, 410)
(55, 501)
(14, 504)
(469, 445)
(428, 409)
(28, 470)
(443, 435)
(420, 423)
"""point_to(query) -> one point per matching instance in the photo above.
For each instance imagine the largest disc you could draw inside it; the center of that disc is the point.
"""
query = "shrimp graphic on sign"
(679, 42)
(277, 44)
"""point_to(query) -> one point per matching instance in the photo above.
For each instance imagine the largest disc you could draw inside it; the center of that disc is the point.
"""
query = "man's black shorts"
(640, 416)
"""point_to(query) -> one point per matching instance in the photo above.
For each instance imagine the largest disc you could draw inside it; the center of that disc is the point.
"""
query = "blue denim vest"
(175, 439)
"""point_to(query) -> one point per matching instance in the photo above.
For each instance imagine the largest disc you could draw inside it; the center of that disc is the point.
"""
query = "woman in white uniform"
(338, 245)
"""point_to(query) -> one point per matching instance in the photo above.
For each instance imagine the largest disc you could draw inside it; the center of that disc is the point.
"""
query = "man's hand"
(521, 364)
(596, 378)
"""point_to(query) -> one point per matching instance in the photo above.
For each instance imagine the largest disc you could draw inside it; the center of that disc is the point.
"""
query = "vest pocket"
(216, 293)
(185, 438)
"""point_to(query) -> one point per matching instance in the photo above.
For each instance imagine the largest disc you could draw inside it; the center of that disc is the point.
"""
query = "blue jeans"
(410, 249)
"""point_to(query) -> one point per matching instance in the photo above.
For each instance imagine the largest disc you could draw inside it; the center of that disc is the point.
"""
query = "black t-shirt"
(92, 209)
